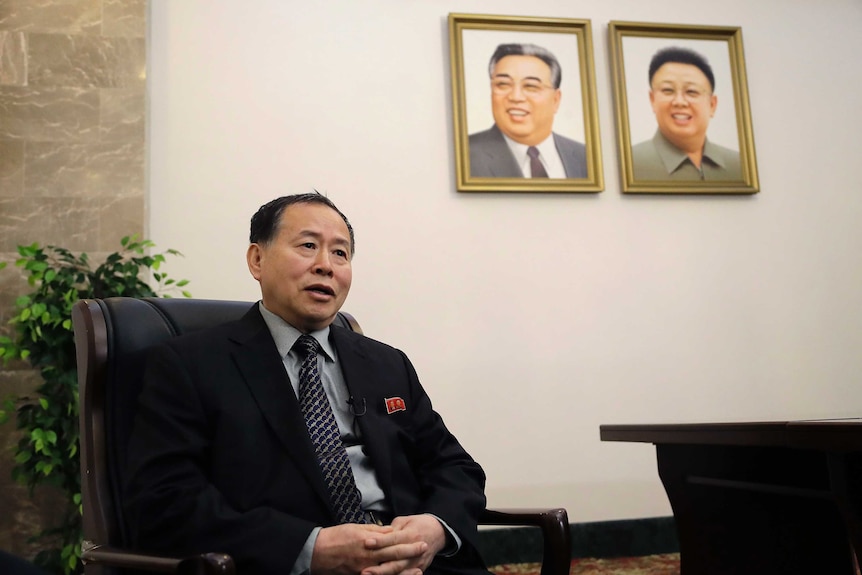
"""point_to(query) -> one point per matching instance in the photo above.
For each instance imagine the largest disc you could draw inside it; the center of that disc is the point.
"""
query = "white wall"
(532, 319)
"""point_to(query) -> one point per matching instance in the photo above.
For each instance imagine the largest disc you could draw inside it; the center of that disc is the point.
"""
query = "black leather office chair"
(112, 337)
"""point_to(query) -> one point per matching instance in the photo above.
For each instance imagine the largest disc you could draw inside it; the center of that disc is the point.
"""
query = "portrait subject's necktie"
(323, 430)
(537, 170)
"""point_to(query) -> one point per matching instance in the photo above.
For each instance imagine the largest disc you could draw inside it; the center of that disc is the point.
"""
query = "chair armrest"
(203, 564)
(554, 524)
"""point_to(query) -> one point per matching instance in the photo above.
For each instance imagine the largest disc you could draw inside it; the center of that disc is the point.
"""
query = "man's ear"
(254, 256)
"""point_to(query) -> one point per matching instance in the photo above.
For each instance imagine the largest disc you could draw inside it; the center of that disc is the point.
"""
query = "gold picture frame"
(486, 158)
(651, 119)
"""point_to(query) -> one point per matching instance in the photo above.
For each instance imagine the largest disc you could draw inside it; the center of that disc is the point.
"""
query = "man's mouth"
(321, 289)
(517, 113)
(681, 117)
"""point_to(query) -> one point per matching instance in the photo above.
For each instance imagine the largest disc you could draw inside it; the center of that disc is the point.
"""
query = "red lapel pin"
(394, 404)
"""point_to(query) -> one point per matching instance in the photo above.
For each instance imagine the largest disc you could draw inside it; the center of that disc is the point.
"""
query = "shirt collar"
(713, 153)
(546, 147)
(672, 157)
(285, 335)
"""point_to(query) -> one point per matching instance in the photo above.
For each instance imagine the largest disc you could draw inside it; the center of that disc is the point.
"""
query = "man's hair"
(542, 54)
(681, 56)
(265, 223)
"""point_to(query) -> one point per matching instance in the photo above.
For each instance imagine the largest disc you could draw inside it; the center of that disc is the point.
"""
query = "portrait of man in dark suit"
(525, 96)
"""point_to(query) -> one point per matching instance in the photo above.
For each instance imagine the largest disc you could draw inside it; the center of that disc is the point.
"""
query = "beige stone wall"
(72, 164)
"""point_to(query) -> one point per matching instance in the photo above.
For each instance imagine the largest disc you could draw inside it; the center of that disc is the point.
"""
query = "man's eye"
(341, 253)
(693, 94)
(532, 88)
(308, 245)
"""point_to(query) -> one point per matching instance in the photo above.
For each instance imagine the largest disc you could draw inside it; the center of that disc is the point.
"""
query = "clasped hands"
(406, 547)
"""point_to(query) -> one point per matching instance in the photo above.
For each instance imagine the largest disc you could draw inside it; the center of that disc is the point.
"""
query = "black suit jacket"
(490, 156)
(220, 459)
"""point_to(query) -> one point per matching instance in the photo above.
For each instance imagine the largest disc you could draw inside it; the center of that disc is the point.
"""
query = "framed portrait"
(683, 119)
(524, 104)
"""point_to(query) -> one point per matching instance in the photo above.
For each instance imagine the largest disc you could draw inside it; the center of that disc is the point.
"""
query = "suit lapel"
(263, 371)
(359, 370)
(571, 156)
(506, 164)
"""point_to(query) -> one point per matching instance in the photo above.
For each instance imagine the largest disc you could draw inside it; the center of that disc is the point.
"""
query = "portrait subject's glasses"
(504, 86)
(689, 94)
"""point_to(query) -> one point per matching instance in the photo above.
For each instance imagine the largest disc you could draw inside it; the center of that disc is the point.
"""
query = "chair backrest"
(112, 337)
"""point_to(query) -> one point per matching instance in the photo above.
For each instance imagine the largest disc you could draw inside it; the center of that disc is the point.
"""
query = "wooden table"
(760, 498)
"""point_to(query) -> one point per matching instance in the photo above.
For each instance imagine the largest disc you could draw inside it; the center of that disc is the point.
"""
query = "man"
(525, 96)
(225, 457)
(682, 87)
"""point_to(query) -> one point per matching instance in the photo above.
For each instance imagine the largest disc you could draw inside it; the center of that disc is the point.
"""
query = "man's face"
(683, 103)
(523, 100)
(305, 271)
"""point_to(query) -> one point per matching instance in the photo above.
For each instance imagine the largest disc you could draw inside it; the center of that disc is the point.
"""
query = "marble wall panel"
(120, 217)
(127, 18)
(14, 501)
(69, 222)
(55, 114)
(70, 16)
(11, 168)
(102, 169)
(123, 115)
(12, 284)
(24, 514)
(86, 61)
(72, 170)
(13, 58)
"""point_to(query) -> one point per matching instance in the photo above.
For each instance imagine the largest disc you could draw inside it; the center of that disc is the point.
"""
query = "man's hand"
(352, 548)
(411, 529)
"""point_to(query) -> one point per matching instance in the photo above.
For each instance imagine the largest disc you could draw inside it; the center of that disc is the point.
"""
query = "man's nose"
(517, 93)
(323, 263)
(679, 98)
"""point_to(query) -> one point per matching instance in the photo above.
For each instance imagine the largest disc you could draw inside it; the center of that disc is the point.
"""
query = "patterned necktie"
(325, 436)
(537, 170)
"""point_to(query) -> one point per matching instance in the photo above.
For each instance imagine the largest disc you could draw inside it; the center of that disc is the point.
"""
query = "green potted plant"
(47, 453)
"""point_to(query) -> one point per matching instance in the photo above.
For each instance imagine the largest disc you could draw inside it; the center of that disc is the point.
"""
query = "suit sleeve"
(451, 483)
(171, 504)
